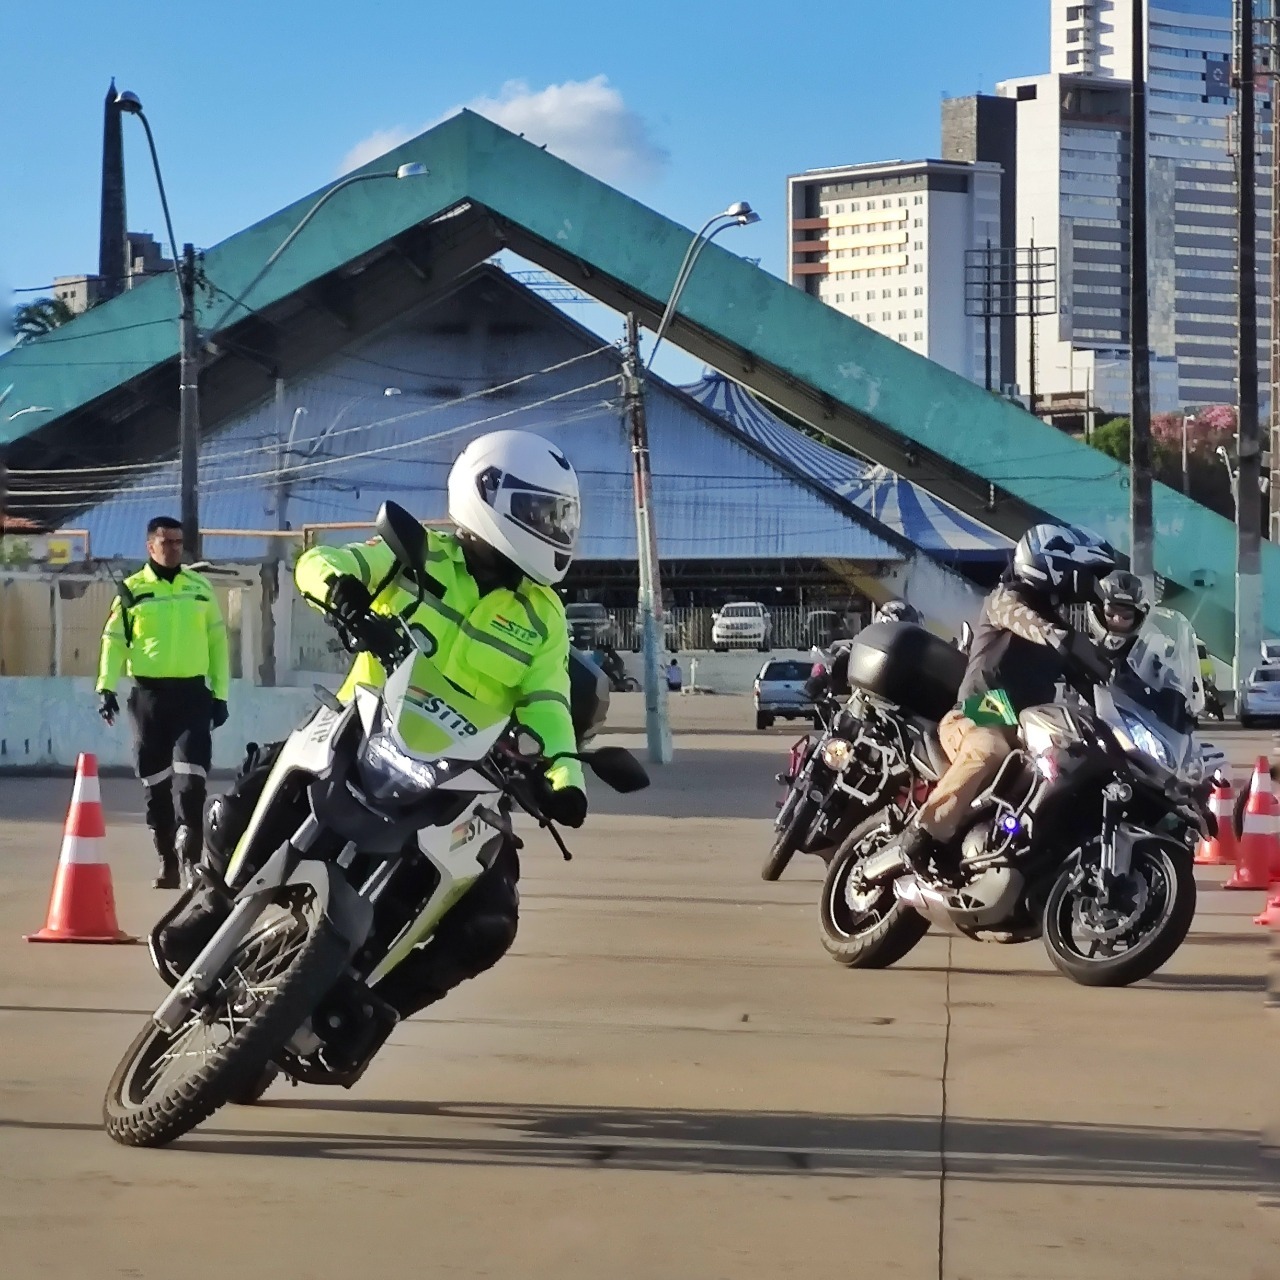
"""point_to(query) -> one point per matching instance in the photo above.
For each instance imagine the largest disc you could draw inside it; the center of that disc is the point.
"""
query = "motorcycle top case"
(909, 666)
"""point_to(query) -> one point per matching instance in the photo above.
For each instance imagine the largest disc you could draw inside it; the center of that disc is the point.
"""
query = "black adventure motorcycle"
(1086, 836)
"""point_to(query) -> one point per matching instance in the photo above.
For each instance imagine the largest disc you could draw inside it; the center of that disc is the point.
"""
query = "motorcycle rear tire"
(1141, 961)
(888, 939)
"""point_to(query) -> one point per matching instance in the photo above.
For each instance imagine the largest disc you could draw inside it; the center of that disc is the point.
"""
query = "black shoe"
(189, 932)
(916, 847)
(167, 877)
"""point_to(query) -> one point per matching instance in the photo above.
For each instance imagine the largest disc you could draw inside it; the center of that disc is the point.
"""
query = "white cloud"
(585, 122)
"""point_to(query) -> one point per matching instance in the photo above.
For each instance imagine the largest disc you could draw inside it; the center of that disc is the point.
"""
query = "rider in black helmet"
(1017, 657)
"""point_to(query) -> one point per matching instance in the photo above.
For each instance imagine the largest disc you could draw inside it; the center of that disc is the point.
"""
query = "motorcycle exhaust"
(925, 901)
(882, 866)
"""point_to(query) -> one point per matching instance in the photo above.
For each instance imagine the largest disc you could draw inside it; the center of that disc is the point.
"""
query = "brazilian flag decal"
(990, 708)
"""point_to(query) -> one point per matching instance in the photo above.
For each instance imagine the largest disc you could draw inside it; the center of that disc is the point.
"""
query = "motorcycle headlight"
(1038, 739)
(1146, 741)
(837, 754)
(388, 774)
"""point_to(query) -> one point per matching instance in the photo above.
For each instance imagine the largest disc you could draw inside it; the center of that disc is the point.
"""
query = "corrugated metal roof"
(715, 496)
(895, 502)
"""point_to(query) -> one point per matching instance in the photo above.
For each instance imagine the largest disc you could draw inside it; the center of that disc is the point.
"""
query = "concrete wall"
(46, 722)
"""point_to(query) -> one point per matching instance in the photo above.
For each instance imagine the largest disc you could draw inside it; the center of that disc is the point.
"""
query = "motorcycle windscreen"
(432, 717)
(1162, 670)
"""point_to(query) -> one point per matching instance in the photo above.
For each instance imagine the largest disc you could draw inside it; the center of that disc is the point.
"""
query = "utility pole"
(1141, 533)
(657, 725)
(189, 401)
(1248, 442)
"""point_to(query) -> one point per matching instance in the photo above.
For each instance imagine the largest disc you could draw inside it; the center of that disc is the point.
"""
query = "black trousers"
(172, 737)
(472, 938)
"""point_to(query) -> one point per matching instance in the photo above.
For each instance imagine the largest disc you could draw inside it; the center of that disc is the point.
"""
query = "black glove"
(349, 599)
(567, 806)
(220, 712)
(108, 706)
(1082, 653)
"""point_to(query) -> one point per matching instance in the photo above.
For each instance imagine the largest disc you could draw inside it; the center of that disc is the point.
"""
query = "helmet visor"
(549, 516)
(1121, 619)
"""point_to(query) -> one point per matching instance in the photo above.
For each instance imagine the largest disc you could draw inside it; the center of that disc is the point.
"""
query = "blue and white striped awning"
(930, 524)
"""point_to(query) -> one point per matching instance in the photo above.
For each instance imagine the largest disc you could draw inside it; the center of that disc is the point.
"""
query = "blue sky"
(686, 105)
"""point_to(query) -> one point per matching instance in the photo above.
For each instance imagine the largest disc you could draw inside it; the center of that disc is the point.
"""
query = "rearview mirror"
(618, 768)
(966, 637)
(403, 534)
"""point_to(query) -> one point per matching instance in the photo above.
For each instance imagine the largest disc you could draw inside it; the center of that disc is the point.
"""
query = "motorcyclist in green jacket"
(497, 630)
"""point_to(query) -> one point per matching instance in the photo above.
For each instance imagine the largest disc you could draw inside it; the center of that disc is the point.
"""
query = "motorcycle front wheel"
(170, 1081)
(1121, 936)
(870, 929)
(798, 813)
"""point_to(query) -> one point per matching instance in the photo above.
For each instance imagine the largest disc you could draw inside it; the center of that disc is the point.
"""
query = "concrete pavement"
(666, 1078)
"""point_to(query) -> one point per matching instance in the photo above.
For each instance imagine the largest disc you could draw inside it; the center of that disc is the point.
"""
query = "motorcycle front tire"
(788, 837)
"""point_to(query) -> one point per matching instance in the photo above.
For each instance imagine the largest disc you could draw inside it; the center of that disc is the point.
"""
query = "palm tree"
(41, 316)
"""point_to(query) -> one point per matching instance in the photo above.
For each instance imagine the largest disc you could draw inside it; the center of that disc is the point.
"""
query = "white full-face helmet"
(518, 493)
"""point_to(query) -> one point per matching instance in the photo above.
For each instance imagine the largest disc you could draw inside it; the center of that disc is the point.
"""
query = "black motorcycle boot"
(917, 848)
(188, 846)
(189, 932)
(167, 876)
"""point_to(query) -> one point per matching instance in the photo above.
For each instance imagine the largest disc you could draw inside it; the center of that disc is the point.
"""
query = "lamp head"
(129, 102)
(413, 170)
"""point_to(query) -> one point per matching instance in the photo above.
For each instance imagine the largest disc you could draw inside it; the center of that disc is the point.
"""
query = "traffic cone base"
(82, 907)
(1270, 917)
(1220, 850)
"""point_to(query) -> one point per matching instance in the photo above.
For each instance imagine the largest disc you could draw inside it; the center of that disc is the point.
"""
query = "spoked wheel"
(170, 1081)
(1112, 937)
(865, 928)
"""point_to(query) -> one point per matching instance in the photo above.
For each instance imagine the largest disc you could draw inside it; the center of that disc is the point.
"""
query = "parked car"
(821, 627)
(1260, 698)
(1271, 653)
(590, 626)
(742, 625)
(780, 692)
(672, 635)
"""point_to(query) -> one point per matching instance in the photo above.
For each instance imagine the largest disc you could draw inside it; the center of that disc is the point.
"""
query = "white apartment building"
(886, 244)
(1073, 194)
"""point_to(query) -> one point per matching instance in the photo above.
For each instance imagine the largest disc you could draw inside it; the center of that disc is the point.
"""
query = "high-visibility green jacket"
(166, 630)
(508, 649)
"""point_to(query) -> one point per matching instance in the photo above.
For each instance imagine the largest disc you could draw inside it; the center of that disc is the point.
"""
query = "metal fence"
(51, 623)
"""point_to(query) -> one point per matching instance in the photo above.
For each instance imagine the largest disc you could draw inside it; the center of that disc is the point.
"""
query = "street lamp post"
(652, 614)
(188, 361)
(189, 341)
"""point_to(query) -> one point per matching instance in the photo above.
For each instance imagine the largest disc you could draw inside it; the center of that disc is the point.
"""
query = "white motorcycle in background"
(375, 820)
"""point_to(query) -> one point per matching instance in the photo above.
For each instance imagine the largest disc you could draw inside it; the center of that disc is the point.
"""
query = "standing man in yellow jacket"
(166, 631)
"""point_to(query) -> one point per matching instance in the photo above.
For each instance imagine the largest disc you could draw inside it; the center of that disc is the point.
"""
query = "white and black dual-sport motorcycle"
(1085, 838)
(394, 805)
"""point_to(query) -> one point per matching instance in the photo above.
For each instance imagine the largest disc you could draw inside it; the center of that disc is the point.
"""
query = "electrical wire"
(226, 454)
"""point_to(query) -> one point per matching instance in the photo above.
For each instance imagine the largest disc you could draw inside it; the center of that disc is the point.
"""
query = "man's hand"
(220, 712)
(568, 806)
(108, 705)
(349, 599)
(1082, 652)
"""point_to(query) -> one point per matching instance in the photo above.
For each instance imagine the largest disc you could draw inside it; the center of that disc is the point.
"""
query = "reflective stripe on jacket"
(509, 649)
(175, 631)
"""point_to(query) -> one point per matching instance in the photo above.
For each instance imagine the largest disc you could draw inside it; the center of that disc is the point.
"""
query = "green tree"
(43, 315)
(1112, 438)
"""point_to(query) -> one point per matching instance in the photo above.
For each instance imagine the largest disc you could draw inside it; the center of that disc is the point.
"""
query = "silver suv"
(779, 692)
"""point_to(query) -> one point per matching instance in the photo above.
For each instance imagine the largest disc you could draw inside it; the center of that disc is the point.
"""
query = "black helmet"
(1062, 560)
(898, 611)
(1120, 609)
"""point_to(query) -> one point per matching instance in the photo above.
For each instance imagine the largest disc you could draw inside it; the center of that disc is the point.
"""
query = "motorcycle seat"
(927, 747)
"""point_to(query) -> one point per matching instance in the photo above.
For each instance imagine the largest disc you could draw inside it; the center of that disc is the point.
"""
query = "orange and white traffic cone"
(82, 907)
(1257, 853)
(1220, 850)
(1270, 917)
